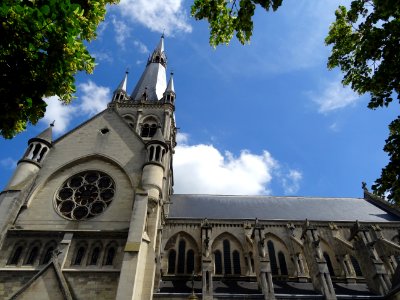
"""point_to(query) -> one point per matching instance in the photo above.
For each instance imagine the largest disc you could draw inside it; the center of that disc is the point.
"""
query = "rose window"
(85, 195)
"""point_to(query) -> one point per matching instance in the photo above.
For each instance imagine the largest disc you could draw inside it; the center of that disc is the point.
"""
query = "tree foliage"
(41, 49)
(225, 17)
(366, 41)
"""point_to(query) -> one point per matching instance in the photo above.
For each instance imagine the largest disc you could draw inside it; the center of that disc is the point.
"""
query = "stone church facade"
(92, 215)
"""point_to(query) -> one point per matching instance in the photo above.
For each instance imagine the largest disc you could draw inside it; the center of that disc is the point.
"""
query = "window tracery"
(85, 195)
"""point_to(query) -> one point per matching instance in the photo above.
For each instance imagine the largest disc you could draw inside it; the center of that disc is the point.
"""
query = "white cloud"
(101, 28)
(8, 163)
(204, 169)
(102, 56)
(157, 15)
(142, 47)
(59, 112)
(291, 182)
(182, 138)
(334, 96)
(122, 31)
(94, 98)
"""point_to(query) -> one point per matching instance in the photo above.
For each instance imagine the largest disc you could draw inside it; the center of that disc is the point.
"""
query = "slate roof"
(276, 208)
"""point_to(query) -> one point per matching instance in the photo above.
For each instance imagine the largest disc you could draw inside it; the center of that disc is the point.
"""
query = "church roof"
(277, 208)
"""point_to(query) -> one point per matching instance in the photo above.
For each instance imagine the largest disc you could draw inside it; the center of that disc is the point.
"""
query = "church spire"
(120, 92)
(152, 84)
(169, 94)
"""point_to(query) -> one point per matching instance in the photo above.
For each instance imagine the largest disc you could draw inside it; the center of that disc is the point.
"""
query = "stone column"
(263, 267)
(372, 266)
(207, 268)
(295, 249)
(320, 276)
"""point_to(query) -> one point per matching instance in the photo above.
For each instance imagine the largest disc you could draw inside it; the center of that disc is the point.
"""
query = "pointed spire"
(120, 92)
(170, 86)
(153, 80)
(122, 85)
(169, 94)
(158, 55)
(46, 136)
(160, 46)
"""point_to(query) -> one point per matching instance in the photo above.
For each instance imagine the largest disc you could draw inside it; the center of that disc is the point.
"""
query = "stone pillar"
(372, 266)
(295, 249)
(320, 276)
(63, 249)
(263, 267)
(207, 269)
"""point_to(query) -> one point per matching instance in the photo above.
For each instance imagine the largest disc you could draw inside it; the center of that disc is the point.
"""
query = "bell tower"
(149, 112)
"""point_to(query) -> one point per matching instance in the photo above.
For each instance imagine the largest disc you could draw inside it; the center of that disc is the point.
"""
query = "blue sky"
(265, 118)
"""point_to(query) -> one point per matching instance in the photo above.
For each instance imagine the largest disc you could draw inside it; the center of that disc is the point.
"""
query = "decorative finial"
(52, 123)
(127, 71)
(364, 186)
(163, 31)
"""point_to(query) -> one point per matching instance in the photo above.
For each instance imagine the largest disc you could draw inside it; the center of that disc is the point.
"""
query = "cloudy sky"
(265, 118)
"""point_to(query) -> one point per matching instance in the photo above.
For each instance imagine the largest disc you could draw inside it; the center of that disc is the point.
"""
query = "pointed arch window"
(110, 256)
(227, 257)
(94, 258)
(272, 258)
(190, 261)
(15, 257)
(79, 255)
(356, 266)
(32, 255)
(181, 256)
(171, 261)
(218, 262)
(236, 262)
(329, 264)
(47, 255)
(35, 152)
(282, 263)
(148, 130)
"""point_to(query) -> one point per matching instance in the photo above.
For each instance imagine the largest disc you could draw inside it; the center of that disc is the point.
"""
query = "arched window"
(171, 261)
(227, 257)
(218, 262)
(28, 150)
(47, 255)
(148, 130)
(356, 266)
(236, 262)
(190, 261)
(16, 255)
(181, 256)
(79, 255)
(95, 256)
(32, 255)
(282, 263)
(42, 153)
(129, 119)
(36, 152)
(329, 264)
(272, 257)
(158, 149)
(110, 256)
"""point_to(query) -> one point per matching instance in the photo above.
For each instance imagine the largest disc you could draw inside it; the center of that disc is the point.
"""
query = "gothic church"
(92, 215)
